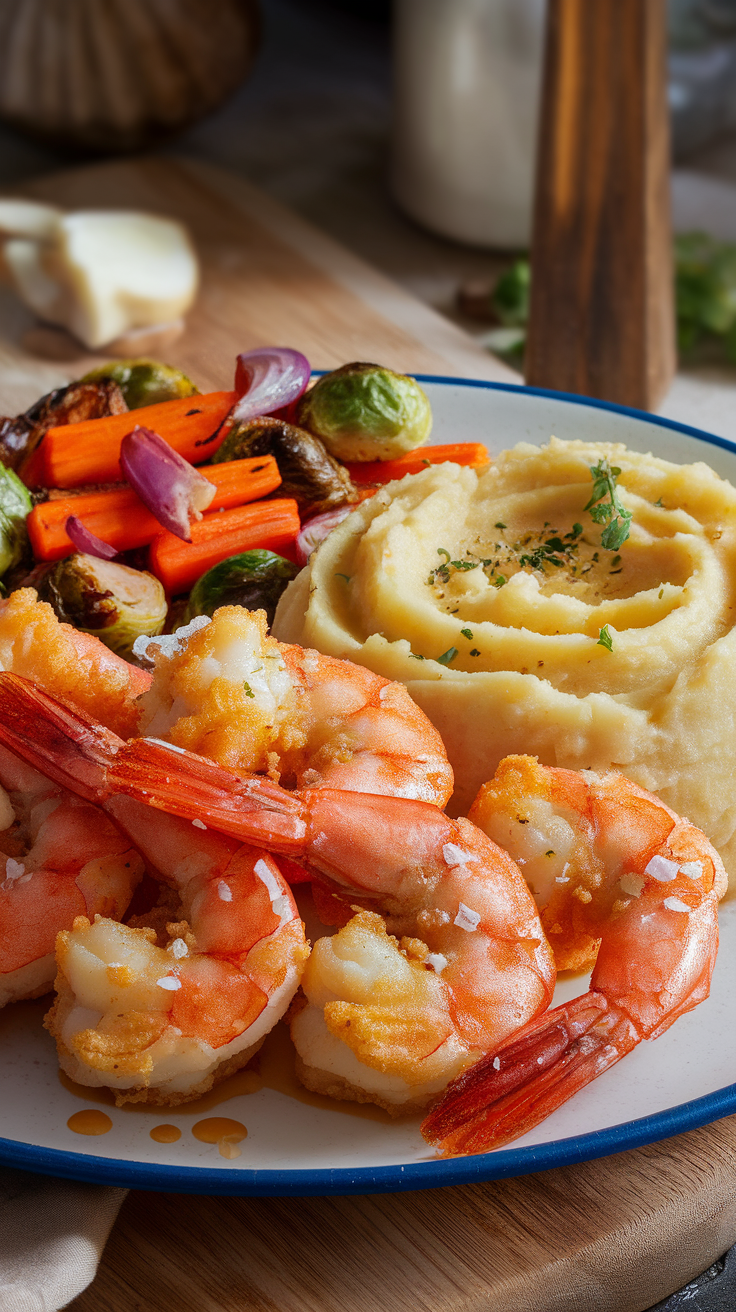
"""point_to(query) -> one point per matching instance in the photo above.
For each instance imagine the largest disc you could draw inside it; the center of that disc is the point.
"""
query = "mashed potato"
(491, 597)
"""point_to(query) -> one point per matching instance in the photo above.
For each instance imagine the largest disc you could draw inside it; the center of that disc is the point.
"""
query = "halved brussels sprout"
(20, 435)
(253, 579)
(309, 473)
(366, 412)
(144, 382)
(15, 503)
(115, 603)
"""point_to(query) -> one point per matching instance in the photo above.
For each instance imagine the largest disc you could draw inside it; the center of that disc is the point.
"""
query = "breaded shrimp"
(226, 690)
(60, 857)
(72, 665)
(159, 1011)
(446, 958)
(635, 879)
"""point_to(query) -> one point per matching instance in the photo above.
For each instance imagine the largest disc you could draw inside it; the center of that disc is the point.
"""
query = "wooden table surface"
(616, 1234)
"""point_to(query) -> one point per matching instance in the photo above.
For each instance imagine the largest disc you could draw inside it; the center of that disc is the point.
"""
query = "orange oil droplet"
(165, 1133)
(215, 1129)
(90, 1121)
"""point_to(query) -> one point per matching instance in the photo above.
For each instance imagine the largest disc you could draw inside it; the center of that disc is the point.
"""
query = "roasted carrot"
(474, 454)
(270, 524)
(89, 452)
(119, 518)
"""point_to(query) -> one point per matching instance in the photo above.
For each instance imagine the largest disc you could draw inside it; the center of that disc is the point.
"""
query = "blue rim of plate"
(420, 1175)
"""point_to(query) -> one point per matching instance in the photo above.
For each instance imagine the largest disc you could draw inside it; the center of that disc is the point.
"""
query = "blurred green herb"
(705, 299)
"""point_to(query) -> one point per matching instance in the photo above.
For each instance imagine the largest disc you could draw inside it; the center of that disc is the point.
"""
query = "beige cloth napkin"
(52, 1233)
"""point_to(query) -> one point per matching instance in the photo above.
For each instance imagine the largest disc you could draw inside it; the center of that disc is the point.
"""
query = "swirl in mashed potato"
(490, 596)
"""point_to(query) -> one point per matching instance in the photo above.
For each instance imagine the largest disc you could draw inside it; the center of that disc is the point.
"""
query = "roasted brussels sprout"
(254, 579)
(144, 382)
(115, 603)
(20, 436)
(366, 412)
(309, 473)
(15, 504)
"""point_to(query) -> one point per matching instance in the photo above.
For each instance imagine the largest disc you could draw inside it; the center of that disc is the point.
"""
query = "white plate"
(682, 1080)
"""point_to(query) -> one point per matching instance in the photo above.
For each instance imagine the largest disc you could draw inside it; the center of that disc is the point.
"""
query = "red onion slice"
(87, 542)
(172, 489)
(268, 379)
(316, 530)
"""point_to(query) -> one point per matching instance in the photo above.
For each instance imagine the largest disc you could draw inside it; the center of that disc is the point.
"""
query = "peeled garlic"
(28, 218)
(99, 273)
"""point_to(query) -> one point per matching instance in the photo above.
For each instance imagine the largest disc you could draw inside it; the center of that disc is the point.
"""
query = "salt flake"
(674, 904)
(466, 918)
(662, 869)
(436, 961)
(456, 856)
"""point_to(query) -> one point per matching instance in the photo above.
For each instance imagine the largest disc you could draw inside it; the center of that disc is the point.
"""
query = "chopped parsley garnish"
(467, 633)
(605, 639)
(475, 652)
(413, 656)
(247, 689)
(447, 656)
(346, 577)
(499, 582)
(606, 508)
(659, 502)
(499, 525)
(441, 552)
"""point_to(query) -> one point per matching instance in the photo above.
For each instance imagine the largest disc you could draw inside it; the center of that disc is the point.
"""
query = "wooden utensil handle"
(602, 317)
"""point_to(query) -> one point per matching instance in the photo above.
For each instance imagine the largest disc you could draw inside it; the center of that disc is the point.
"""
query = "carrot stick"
(120, 518)
(270, 524)
(473, 454)
(89, 452)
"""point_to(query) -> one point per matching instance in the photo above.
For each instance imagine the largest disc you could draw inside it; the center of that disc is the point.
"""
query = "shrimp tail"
(59, 740)
(509, 1091)
(249, 807)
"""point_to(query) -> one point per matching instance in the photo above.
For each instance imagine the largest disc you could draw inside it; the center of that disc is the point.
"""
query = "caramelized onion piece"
(172, 489)
(269, 379)
(88, 542)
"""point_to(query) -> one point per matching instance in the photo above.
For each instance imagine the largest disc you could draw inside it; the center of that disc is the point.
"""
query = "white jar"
(467, 81)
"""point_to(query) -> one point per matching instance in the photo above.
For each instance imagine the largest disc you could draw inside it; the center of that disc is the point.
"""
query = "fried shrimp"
(620, 874)
(226, 690)
(445, 957)
(69, 664)
(61, 858)
(159, 1010)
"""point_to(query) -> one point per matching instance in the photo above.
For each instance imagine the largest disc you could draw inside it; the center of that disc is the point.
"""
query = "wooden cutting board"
(614, 1235)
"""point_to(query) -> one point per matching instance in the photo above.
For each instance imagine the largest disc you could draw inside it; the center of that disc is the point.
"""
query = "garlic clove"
(39, 290)
(29, 218)
(107, 273)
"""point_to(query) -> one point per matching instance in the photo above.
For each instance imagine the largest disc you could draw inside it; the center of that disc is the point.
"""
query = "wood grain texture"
(602, 317)
(267, 278)
(615, 1235)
